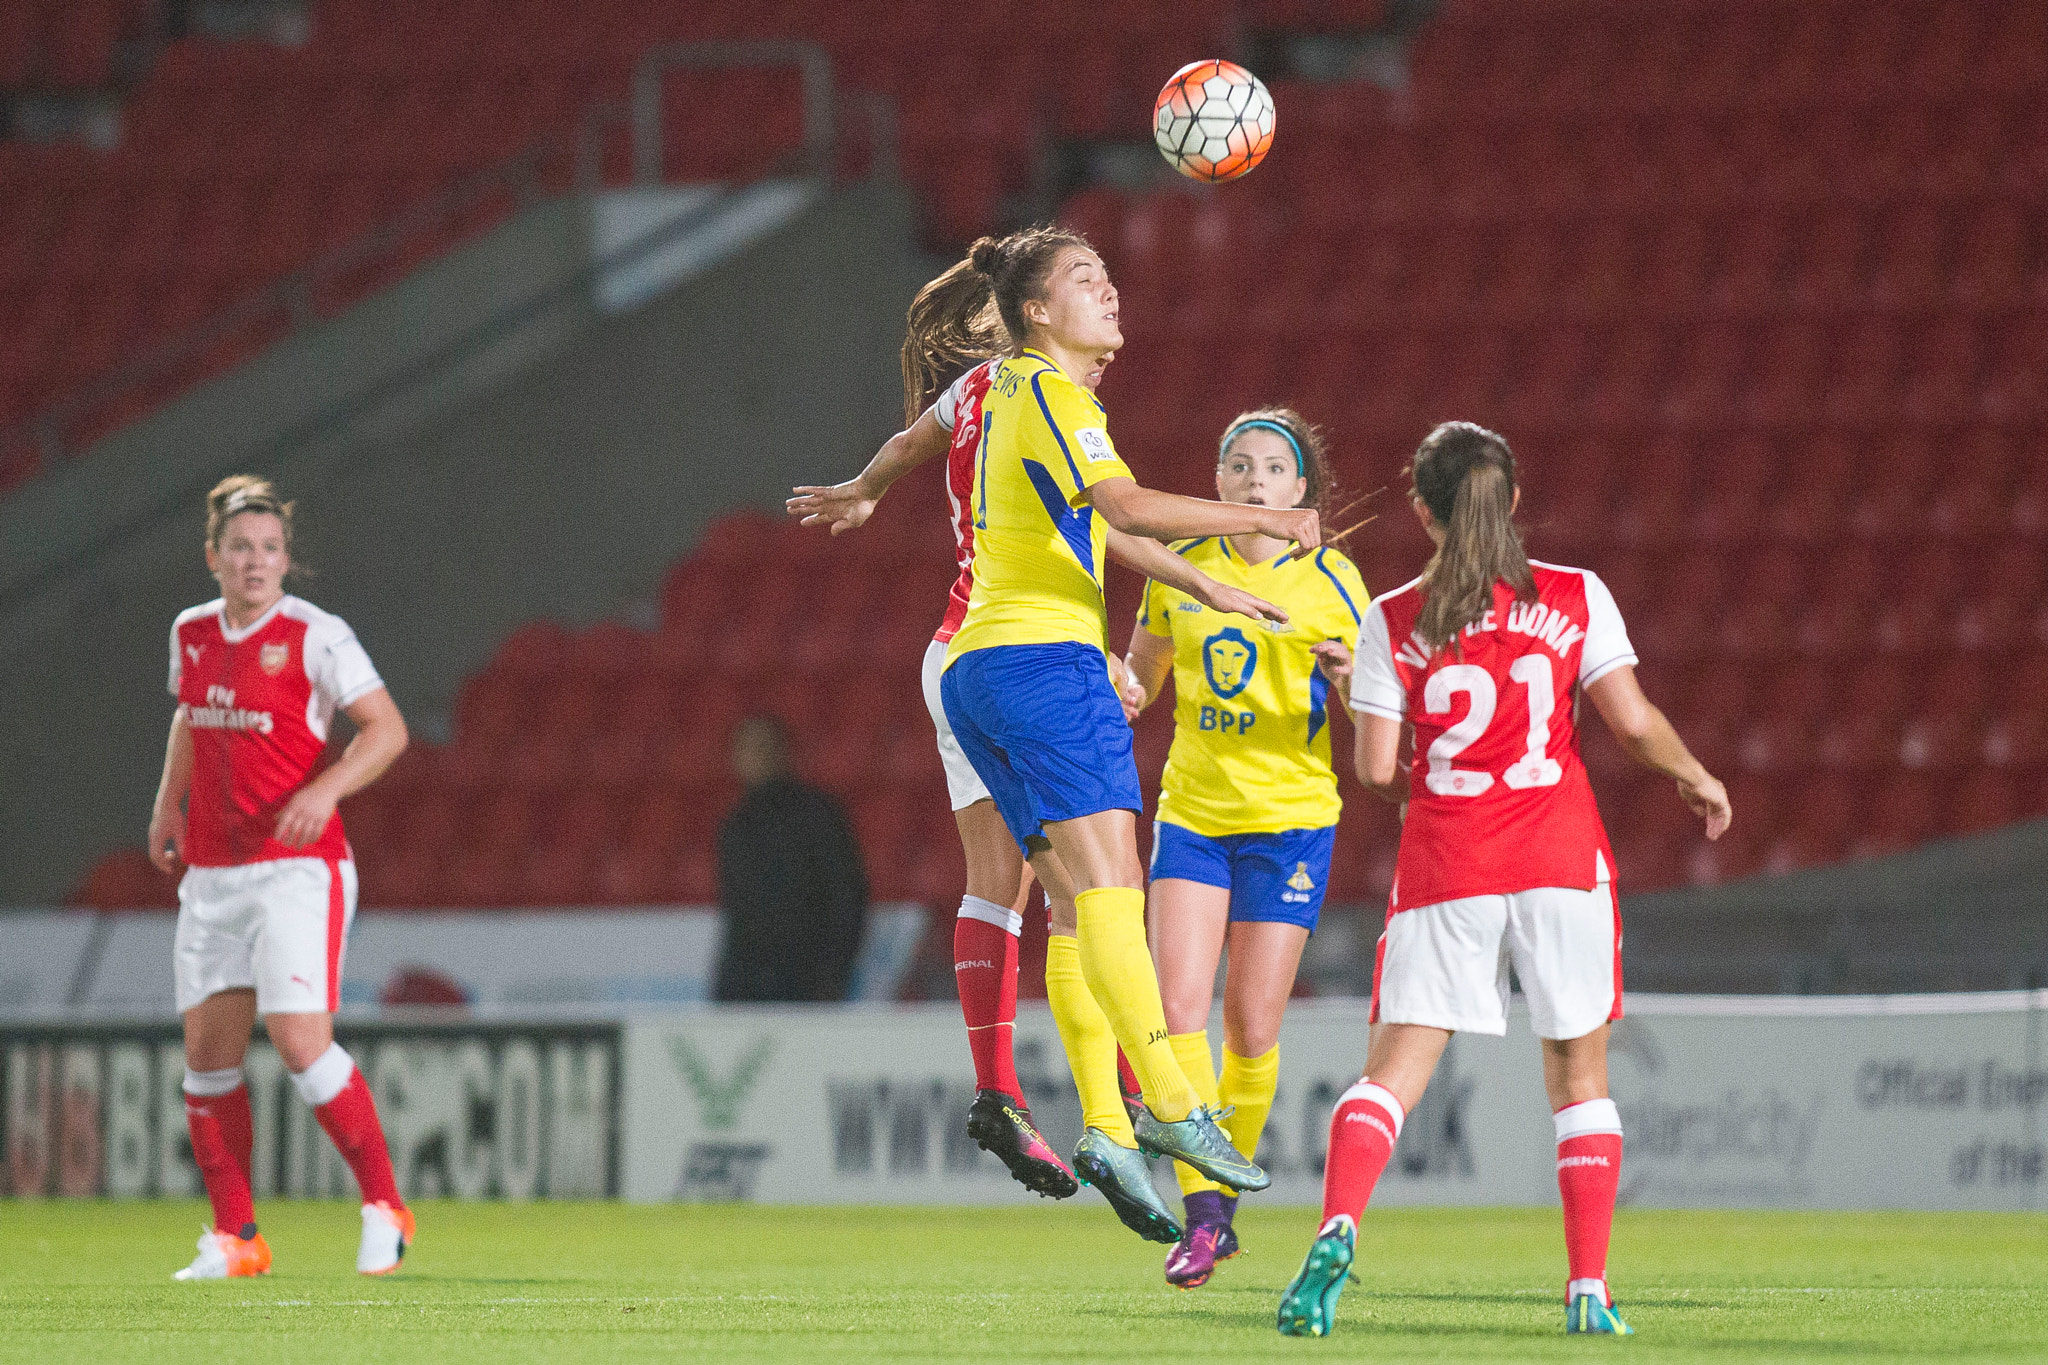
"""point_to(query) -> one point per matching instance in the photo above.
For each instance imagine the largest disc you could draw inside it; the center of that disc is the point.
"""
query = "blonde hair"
(239, 493)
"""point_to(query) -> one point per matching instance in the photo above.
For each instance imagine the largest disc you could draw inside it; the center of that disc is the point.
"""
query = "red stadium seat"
(1909, 810)
(126, 880)
(1736, 283)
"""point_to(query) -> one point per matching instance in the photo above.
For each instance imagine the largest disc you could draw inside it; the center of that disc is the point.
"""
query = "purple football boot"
(1209, 1239)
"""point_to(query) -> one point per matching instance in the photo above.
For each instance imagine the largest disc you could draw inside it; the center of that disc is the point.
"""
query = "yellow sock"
(1121, 978)
(1249, 1083)
(1091, 1047)
(1191, 1050)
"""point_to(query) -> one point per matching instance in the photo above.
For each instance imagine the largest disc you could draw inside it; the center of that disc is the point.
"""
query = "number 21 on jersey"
(1535, 768)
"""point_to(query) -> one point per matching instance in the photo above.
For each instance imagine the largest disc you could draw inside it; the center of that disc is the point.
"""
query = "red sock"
(223, 1137)
(1126, 1077)
(1588, 1175)
(985, 970)
(1362, 1136)
(350, 1118)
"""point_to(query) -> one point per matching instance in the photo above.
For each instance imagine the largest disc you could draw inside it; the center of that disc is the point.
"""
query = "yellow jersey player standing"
(1248, 804)
(1028, 693)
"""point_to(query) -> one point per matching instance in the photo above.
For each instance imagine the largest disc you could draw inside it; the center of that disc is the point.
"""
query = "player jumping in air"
(1027, 686)
(270, 883)
(1503, 859)
(1248, 804)
(953, 335)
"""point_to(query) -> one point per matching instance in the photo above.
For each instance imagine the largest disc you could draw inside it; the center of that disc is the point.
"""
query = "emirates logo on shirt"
(221, 713)
(274, 658)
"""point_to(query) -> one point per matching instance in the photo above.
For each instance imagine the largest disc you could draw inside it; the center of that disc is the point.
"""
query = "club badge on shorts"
(1300, 885)
(274, 658)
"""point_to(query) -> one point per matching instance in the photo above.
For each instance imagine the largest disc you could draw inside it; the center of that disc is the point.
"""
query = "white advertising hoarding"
(1785, 1102)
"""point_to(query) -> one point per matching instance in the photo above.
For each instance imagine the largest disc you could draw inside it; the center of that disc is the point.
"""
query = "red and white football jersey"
(958, 410)
(1499, 799)
(258, 702)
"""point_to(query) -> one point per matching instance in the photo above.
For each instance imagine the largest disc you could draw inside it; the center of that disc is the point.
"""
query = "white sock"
(326, 1077)
(1587, 1116)
(1597, 1288)
(1373, 1093)
(206, 1084)
(988, 912)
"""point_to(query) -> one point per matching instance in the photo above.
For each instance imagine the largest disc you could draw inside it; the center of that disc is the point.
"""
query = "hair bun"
(984, 254)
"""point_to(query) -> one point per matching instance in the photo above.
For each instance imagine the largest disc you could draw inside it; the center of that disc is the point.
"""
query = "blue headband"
(1300, 469)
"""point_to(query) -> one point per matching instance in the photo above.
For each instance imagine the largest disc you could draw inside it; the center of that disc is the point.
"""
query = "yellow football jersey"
(1251, 737)
(1038, 552)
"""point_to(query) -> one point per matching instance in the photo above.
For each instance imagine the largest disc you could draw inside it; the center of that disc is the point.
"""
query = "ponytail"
(975, 311)
(952, 326)
(1465, 475)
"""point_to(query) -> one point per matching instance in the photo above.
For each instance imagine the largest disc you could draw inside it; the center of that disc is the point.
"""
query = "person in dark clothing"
(790, 880)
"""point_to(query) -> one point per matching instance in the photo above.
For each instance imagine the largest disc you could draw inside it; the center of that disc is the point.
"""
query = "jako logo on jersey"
(221, 713)
(1229, 660)
(274, 657)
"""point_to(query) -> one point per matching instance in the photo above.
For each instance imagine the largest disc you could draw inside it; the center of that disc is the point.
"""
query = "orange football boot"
(224, 1256)
(387, 1232)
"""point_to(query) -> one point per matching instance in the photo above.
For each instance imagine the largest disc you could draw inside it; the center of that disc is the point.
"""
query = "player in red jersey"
(952, 340)
(1503, 858)
(270, 884)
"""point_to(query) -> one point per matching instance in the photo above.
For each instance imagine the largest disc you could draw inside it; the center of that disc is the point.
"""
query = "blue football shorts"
(1277, 878)
(1044, 731)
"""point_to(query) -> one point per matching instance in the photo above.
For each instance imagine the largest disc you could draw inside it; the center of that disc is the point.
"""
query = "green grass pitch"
(502, 1283)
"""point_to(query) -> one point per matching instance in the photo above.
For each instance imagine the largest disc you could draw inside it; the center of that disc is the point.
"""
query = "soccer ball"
(1213, 121)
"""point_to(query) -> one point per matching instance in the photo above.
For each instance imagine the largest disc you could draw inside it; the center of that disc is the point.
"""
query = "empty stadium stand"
(1763, 307)
(242, 162)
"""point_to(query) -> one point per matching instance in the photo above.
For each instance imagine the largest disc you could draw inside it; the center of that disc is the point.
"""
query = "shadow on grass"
(1357, 1294)
(429, 1277)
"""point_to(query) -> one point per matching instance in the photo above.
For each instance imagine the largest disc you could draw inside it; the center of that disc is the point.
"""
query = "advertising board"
(474, 1110)
(1932, 1102)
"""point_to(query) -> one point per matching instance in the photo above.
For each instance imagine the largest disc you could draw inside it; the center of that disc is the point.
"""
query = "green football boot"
(1308, 1306)
(1198, 1141)
(1125, 1180)
(1587, 1314)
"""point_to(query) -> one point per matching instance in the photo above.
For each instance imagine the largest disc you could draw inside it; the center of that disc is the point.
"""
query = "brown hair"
(1311, 449)
(1016, 267)
(1465, 475)
(239, 493)
(951, 327)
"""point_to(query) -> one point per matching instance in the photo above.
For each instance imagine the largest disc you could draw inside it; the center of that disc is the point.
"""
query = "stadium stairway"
(242, 161)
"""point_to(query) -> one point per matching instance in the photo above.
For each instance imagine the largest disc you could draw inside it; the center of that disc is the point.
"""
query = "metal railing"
(561, 159)
(812, 62)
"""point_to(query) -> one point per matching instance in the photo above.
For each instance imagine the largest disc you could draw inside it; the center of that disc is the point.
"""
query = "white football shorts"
(279, 926)
(963, 784)
(1446, 965)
